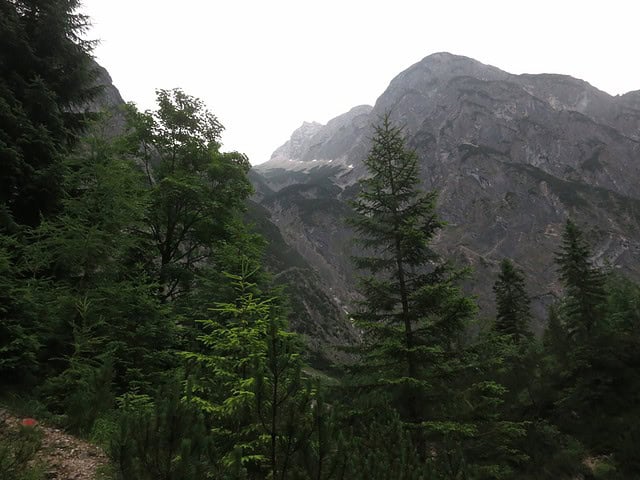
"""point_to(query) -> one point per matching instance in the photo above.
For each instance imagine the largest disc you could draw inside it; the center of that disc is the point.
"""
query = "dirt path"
(66, 457)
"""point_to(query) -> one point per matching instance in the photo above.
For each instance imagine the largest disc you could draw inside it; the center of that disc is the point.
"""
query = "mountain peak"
(306, 129)
(301, 150)
(441, 67)
(306, 125)
(442, 57)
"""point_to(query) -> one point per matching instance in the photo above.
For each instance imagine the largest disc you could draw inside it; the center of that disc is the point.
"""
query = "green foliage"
(512, 303)
(195, 191)
(47, 75)
(163, 440)
(103, 320)
(248, 381)
(111, 253)
(583, 283)
(18, 447)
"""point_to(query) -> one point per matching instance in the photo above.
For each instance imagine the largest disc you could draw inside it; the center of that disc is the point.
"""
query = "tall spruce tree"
(583, 282)
(413, 313)
(46, 76)
(512, 303)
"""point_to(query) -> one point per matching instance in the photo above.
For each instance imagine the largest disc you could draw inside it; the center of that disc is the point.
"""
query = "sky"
(265, 66)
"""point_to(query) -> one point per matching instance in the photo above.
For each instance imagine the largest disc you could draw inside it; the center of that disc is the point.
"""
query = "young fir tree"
(413, 313)
(512, 303)
(283, 399)
(223, 374)
(248, 381)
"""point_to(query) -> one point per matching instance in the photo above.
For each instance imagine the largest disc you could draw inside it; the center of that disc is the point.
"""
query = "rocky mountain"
(109, 96)
(108, 102)
(512, 157)
(317, 311)
(313, 142)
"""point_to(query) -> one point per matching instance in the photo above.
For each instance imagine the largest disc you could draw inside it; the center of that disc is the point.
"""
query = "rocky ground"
(62, 456)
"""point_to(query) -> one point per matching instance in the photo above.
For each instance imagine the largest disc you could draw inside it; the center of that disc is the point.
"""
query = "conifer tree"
(248, 380)
(584, 283)
(283, 399)
(47, 75)
(512, 303)
(224, 373)
(413, 313)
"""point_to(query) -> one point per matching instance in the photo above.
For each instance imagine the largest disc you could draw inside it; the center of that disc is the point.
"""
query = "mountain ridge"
(512, 157)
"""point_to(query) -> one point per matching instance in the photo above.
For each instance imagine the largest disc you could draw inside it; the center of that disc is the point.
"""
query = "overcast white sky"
(264, 66)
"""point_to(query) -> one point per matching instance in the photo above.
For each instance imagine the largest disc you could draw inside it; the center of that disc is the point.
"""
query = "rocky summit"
(511, 156)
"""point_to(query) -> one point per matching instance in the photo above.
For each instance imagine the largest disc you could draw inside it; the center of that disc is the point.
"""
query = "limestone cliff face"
(110, 96)
(512, 157)
(109, 102)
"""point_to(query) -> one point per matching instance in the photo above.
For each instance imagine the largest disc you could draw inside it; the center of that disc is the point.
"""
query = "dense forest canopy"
(135, 309)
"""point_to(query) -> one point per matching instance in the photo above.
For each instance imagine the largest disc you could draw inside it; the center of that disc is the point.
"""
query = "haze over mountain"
(512, 157)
